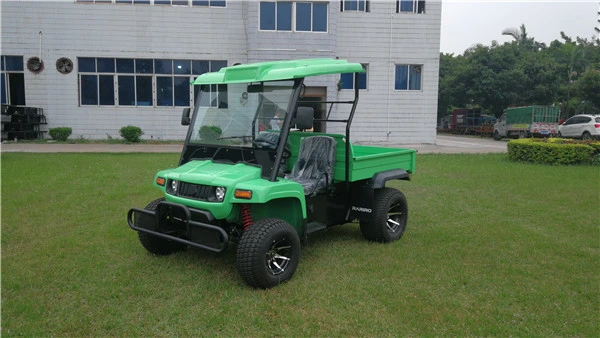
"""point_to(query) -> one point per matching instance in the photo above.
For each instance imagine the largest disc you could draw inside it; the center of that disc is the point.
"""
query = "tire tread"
(250, 253)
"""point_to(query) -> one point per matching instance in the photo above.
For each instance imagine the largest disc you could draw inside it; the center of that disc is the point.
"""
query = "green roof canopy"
(278, 70)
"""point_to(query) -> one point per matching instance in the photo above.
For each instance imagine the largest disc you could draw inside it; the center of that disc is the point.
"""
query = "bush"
(131, 133)
(555, 151)
(210, 132)
(60, 133)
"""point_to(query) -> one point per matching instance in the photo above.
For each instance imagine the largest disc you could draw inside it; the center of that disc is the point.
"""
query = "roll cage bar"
(283, 70)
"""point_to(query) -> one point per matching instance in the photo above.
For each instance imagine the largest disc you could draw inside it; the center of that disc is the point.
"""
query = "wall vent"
(35, 64)
(64, 65)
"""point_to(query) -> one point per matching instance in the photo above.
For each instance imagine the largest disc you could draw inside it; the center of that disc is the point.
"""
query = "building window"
(302, 16)
(209, 3)
(276, 16)
(195, 3)
(136, 2)
(355, 6)
(12, 80)
(408, 77)
(140, 82)
(217, 94)
(410, 6)
(347, 80)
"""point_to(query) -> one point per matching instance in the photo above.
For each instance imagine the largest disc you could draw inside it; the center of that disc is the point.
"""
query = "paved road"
(447, 144)
(450, 144)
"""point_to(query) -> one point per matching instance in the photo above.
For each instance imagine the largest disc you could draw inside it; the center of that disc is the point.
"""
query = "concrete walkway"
(446, 144)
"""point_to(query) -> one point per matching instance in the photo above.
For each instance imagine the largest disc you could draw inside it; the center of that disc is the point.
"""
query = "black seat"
(314, 167)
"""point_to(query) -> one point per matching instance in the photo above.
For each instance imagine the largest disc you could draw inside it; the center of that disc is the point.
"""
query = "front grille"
(194, 191)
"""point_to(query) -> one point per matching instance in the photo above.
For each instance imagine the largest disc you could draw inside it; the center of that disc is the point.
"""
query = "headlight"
(220, 193)
(172, 187)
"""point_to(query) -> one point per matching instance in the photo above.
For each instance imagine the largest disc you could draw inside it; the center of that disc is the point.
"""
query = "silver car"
(582, 126)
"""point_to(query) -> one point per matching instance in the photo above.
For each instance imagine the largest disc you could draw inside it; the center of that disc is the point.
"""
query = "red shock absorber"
(246, 216)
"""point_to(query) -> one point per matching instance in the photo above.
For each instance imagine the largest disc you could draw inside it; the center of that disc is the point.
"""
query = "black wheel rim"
(395, 218)
(278, 256)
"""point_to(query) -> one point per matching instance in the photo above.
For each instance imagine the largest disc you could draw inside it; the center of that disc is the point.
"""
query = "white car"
(582, 126)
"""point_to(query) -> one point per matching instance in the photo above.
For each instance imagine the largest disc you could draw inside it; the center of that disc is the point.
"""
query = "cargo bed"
(365, 161)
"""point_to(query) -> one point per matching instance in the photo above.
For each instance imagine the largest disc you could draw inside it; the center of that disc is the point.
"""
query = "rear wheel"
(156, 245)
(268, 253)
(388, 220)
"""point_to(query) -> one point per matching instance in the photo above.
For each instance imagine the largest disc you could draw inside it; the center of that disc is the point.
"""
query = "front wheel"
(268, 253)
(497, 136)
(389, 217)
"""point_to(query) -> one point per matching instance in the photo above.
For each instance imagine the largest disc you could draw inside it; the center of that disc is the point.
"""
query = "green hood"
(211, 173)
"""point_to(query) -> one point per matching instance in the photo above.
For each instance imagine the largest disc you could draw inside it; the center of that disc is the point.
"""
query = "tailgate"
(366, 161)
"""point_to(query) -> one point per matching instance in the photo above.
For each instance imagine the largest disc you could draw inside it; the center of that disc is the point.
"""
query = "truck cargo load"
(527, 121)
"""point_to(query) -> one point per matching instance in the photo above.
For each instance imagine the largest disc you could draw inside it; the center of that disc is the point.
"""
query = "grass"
(493, 248)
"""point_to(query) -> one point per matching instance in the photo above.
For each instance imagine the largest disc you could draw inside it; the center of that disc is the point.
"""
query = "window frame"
(179, 3)
(131, 75)
(9, 89)
(293, 19)
(351, 76)
(418, 7)
(417, 69)
(366, 6)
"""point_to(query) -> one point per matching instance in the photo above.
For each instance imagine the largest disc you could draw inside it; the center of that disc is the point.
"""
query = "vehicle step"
(314, 227)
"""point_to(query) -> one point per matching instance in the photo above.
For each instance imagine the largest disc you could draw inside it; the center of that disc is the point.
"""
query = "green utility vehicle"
(253, 171)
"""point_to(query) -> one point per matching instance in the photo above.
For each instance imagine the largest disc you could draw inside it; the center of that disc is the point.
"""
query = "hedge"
(131, 133)
(555, 151)
(60, 133)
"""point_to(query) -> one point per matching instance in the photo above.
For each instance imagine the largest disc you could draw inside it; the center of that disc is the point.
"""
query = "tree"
(519, 34)
(588, 89)
(513, 74)
(521, 38)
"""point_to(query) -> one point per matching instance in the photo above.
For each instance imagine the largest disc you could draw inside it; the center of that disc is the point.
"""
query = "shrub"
(60, 133)
(210, 132)
(131, 133)
(554, 151)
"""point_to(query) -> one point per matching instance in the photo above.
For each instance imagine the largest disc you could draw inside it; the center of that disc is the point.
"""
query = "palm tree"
(520, 36)
(597, 29)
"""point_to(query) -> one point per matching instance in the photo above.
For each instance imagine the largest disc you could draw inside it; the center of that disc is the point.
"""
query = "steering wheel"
(263, 144)
(269, 142)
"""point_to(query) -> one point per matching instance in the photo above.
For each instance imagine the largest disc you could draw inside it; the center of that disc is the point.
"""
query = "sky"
(466, 23)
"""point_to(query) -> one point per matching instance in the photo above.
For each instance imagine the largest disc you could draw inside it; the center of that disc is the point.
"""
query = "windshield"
(235, 114)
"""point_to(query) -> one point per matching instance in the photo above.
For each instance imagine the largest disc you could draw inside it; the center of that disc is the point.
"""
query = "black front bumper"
(178, 223)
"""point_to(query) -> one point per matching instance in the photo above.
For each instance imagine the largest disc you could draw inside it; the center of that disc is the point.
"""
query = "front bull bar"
(193, 229)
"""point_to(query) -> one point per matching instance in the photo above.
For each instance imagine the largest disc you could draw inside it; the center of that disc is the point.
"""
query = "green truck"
(527, 121)
(254, 172)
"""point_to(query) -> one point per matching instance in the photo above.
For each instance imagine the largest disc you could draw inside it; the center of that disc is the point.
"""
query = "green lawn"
(492, 248)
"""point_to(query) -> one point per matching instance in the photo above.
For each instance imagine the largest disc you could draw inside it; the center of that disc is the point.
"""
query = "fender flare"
(378, 180)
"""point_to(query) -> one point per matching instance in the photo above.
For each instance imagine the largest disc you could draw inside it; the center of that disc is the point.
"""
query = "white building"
(133, 59)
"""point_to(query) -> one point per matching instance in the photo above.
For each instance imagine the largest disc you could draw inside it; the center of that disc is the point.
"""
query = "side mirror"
(304, 118)
(185, 117)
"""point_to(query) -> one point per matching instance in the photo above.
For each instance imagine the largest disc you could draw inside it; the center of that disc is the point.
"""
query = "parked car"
(582, 126)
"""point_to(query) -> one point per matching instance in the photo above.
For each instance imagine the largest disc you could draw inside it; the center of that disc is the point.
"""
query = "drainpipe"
(389, 96)
(40, 54)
